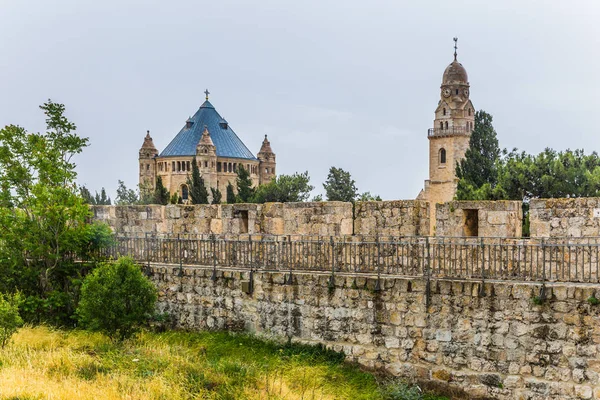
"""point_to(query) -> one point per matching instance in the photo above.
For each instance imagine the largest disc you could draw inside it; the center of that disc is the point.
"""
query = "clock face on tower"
(446, 92)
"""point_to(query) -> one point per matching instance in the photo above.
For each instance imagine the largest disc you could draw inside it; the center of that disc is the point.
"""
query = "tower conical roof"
(266, 147)
(228, 144)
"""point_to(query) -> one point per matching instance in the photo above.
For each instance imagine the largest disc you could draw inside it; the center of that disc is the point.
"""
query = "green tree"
(86, 195)
(102, 199)
(317, 198)
(198, 192)
(284, 189)
(244, 185)
(161, 194)
(217, 196)
(340, 186)
(10, 320)
(367, 196)
(231, 199)
(116, 299)
(125, 196)
(477, 172)
(42, 215)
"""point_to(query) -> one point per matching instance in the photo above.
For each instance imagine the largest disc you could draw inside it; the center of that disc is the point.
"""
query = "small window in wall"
(442, 156)
(184, 192)
(444, 112)
(441, 125)
(147, 167)
(187, 166)
(456, 91)
(243, 216)
(205, 164)
(469, 112)
(173, 166)
(446, 125)
(234, 167)
(218, 167)
(230, 167)
(471, 222)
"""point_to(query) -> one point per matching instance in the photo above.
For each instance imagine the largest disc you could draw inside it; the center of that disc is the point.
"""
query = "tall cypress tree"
(161, 194)
(231, 199)
(198, 192)
(216, 196)
(244, 184)
(477, 172)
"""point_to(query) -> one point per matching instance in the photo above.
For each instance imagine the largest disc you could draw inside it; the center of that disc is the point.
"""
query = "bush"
(10, 320)
(116, 299)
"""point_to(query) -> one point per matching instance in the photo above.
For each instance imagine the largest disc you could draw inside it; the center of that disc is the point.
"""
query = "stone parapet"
(392, 218)
(501, 346)
(479, 218)
(579, 217)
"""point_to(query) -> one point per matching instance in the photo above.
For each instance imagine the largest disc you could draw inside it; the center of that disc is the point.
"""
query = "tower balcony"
(451, 131)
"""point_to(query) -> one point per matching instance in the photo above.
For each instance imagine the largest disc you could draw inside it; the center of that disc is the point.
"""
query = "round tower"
(148, 152)
(267, 163)
(206, 157)
(449, 138)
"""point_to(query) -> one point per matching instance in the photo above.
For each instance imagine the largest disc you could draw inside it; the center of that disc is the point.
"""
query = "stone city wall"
(578, 217)
(501, 346)
(479, 218)
(392, 218)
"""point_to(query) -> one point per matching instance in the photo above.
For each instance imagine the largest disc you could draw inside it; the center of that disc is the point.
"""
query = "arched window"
(178, 166)
(442, 156)
(441, 125)
(446, 125)
(184, 192)
(444, 112)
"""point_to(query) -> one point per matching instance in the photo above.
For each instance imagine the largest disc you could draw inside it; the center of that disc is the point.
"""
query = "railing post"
(332, 276)
(543, 288)
(378, 282)
(214, 251)
(180, 256)
(427, 275)
(251, 279)
(482, 286)
(147, 245)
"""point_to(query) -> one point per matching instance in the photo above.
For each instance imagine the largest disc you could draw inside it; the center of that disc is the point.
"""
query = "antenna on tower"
(455, 47)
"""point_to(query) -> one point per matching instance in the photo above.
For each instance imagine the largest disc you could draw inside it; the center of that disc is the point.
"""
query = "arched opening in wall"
(187, 166)
(442, 156)
(230, 167)
(205, 164)
(446, 125)
(444, 112)
(470, 112)
(173, 166)
(184, 192)
(441, 125)
(234, 167)
(218, 167)
(471, 222)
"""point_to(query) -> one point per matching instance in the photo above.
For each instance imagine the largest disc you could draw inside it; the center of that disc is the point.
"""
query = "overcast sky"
(345, 83)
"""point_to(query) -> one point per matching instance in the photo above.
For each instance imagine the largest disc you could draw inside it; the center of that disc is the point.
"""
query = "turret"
(147, 154)
(206, 157)
(266, 157)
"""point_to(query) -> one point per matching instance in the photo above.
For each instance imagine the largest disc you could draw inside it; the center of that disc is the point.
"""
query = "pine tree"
(244, 184)
(477, 172)
(231, 199)
(217, 196)
(161, 194)
(198, 192)
(340, 186)
(86, 195)
(102, 199)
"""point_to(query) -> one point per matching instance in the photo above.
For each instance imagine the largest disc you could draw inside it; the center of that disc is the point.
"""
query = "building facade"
(449, 137)
(218, 151)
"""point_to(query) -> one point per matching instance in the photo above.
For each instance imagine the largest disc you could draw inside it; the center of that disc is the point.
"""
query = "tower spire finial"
(206, 92)
(455, 47)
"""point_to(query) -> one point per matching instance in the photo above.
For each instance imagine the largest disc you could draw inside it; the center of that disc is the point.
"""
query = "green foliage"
(340, 186)
(231, 199)
(116, 299)
(174, 198)
(217, 196)
(593, 300)
(10, 320)
(367, 196)
(42, 215)
(102, 199)
(284, 189)
(245, 191)
(198, 192)
(86, 195)
(126, 196)
(477, 172)
(161, 194)
(537, 300)
(317, 198)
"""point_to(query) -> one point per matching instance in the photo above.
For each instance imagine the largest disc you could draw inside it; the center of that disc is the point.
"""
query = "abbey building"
(219, 152)
(449, 137)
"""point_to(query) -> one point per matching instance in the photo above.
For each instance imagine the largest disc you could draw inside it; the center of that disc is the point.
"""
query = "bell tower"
(449, 137)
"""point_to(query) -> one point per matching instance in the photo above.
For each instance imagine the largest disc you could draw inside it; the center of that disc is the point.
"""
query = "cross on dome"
(206, 92)
(455, 48)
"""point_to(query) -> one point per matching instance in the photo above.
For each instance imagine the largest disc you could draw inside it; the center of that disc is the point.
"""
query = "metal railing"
(537, 260)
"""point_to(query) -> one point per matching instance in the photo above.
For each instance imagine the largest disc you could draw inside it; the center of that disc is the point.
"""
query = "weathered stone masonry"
(499, 346)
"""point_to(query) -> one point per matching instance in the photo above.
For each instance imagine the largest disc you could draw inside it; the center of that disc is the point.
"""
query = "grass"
(44, 363)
